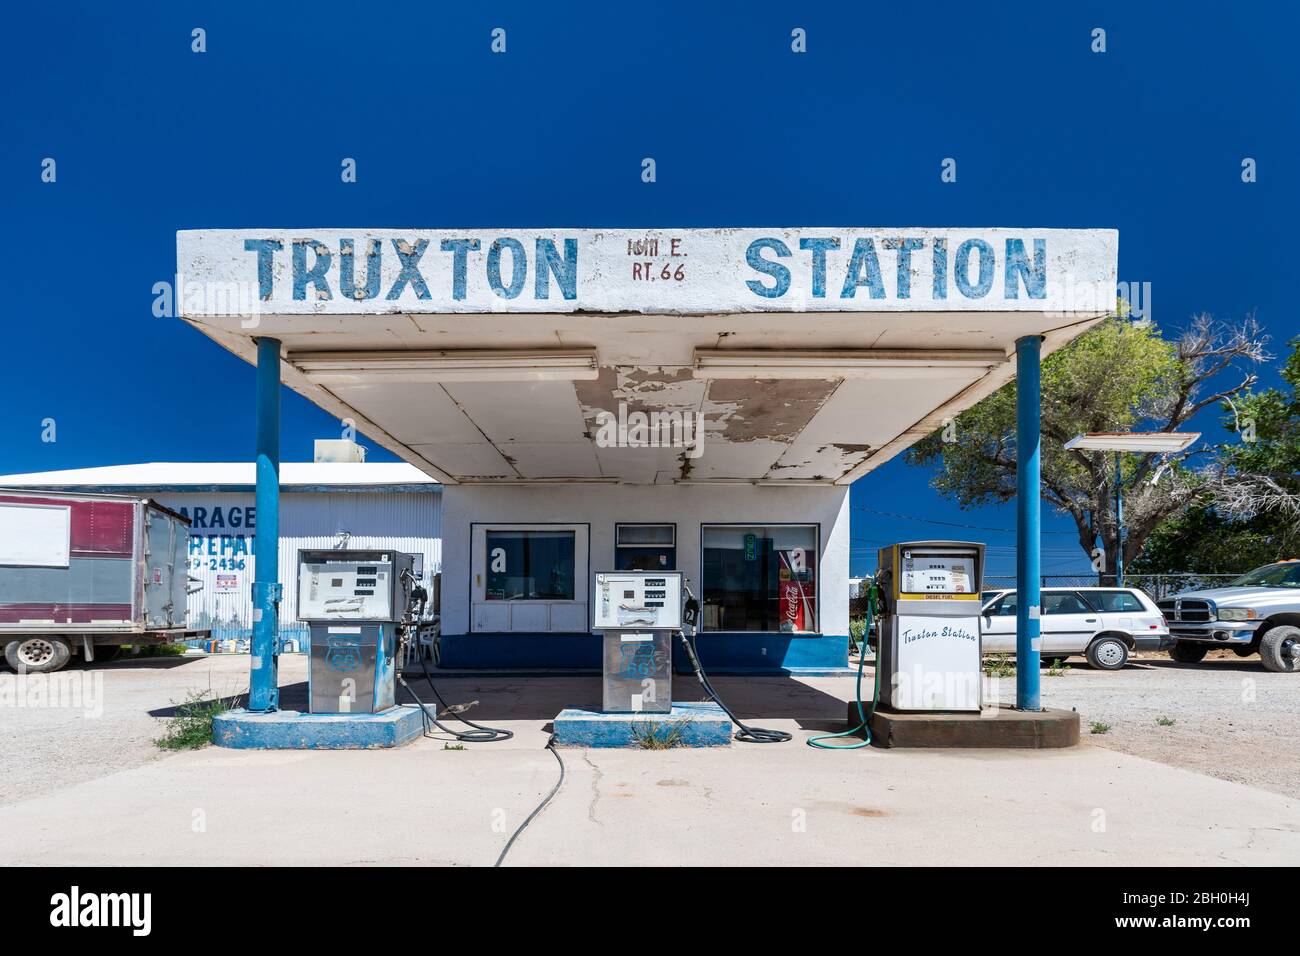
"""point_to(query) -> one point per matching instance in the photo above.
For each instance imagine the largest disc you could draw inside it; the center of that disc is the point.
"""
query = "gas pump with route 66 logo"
(354, 602)
(638, 612)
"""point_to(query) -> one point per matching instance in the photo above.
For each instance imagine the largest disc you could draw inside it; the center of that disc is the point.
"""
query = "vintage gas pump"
(638, 612)
(354, 602)
(930, 626)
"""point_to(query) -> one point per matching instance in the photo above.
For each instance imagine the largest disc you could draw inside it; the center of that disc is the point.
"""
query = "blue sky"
(151, 138)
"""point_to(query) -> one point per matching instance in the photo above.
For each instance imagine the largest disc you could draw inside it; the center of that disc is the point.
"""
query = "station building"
(595, 399)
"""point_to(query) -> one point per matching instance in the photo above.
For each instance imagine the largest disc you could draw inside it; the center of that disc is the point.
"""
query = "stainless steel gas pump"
(354, 602)
(639, 613)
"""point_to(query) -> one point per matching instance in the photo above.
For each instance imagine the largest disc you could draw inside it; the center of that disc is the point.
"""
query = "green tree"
(1252, 515)
(1119, 376)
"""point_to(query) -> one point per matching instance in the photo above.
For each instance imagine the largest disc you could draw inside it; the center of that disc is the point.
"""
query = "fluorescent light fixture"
(1167, 442)
(847, 363)
(428, 365)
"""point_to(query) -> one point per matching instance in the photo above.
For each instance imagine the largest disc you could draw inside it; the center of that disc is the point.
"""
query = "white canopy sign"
(811, 269)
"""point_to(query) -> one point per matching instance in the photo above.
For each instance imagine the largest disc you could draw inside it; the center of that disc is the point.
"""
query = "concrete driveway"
(744, 805)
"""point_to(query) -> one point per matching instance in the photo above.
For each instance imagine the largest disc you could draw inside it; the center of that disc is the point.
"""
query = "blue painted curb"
(700, 724)
(294, 730)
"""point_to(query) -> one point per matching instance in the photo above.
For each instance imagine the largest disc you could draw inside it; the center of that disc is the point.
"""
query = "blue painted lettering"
(347, 280)
(518, 268)
(904, 248)
(864, 256)
(460, 250)
(819, 247)
(1018, 267)
(565, 270)
(779, 273)
(316, 274)
(266, 250)
(961, 268)
(410, 259)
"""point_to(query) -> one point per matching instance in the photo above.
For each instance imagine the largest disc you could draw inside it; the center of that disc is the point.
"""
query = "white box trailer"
(83, 574)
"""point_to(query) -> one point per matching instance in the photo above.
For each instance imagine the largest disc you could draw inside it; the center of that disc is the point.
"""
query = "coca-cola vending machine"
(797, 590)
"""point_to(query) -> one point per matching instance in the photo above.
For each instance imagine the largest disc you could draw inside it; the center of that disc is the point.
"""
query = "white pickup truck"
(1259, 612)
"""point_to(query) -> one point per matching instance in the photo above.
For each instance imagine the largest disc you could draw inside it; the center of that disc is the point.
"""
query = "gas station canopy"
(797, 355)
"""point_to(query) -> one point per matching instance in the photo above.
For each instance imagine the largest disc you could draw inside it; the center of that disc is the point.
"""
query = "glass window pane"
(645, 534)
(759, 578)
(1116, 601)
(645, 547)
(530, 566)
(645, 559)
(1064, 602)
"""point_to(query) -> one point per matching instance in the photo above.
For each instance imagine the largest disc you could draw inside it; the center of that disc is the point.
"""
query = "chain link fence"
(1158, 586)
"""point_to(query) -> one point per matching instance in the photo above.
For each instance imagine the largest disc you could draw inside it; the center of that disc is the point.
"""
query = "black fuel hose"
(416, 601)
(550, 745)
(482, 734)
(753, 735)
(478, 735)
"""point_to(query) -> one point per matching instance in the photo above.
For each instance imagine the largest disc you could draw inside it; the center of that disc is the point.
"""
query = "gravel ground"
(1231, 718)
(110, 723)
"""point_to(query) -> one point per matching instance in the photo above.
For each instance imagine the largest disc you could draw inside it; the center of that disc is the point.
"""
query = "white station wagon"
(1102, 624)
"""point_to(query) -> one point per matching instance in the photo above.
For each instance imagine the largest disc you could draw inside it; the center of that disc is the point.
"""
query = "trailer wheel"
(1279, 649)
(37, 655)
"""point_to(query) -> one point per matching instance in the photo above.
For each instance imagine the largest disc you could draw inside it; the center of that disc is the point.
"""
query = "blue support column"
(263, 692)
(1028, 520)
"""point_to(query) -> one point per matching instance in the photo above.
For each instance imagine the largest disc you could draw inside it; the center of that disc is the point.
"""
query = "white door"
(999, 625)
(1068, 622)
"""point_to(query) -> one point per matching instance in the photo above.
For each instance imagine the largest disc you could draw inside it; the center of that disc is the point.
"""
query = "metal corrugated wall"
(221, 545)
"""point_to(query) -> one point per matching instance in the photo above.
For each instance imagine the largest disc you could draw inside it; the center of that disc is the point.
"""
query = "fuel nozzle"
(690, 608)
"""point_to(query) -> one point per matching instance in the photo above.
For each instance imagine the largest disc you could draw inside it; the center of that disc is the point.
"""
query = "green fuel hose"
(864, 716)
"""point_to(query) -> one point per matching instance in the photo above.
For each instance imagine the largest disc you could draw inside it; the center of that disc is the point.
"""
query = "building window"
(757, 578)
(645, 547)
(530, 566)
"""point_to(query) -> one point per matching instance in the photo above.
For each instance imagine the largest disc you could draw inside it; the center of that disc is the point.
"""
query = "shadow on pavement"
(500, 698)
(541, 698)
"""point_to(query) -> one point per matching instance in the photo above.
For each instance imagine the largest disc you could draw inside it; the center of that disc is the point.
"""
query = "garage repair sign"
(374, 271)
